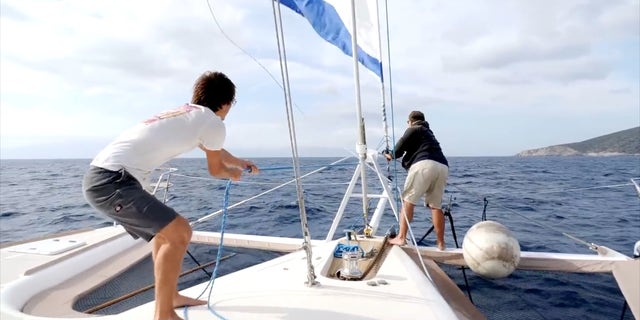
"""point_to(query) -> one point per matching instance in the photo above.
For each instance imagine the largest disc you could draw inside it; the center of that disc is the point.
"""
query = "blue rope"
(309, 166)
(225, 205)
(275, 168)
(209, 286)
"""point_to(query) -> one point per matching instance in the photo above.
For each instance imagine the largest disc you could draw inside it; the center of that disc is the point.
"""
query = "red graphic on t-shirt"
(171, 113)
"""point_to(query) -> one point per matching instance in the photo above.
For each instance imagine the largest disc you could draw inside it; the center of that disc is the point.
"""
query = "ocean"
(552, 204)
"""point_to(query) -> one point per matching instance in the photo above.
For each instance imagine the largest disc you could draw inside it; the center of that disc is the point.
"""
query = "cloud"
(74, 70)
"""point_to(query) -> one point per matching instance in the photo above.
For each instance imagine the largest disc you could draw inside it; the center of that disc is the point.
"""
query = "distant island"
(625, 142)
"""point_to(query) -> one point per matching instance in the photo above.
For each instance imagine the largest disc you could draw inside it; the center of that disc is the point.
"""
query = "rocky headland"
(625, 142)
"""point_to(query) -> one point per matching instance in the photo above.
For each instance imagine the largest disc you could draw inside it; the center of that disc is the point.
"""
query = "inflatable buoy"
(490, 250)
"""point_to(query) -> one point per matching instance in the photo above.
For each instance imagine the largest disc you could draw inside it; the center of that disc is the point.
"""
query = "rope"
(209, 178)
(414, 245)
(273, 168)
(300, 166)
(225, 204)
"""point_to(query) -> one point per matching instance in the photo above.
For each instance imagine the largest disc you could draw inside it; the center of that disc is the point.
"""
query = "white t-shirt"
(149, 144)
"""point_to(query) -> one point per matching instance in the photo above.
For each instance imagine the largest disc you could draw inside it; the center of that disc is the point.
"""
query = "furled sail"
(332, 20)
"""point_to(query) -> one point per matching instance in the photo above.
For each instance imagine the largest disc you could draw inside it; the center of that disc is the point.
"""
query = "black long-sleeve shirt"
(418, 143)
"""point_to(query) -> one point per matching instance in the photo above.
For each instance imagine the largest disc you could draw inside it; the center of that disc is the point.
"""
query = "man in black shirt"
(427, 175)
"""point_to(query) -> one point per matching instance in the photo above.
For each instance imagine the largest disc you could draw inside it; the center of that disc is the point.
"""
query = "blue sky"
(494, 78)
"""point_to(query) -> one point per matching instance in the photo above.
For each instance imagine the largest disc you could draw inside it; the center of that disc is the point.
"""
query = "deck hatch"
(48, 246)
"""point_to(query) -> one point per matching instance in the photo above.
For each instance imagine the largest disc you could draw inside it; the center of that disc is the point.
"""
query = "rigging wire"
(214, 214)
(547, 191)
(392, 178)
(260, 183)
(396, 195)
(590, 245)
(247, 53)
(393, 174)
(581, 189)
(385, 126)
(306, 244)
(240, 48)
(209, 178)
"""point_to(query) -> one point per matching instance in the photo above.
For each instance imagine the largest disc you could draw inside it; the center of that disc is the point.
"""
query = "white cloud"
(77, 70)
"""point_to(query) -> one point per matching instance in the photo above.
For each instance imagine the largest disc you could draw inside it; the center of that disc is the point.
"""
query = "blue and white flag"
(332, 21)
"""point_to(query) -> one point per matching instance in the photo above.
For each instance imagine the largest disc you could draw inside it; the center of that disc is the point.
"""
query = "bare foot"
(441, 246)
(172, 316)
(182, 301)
(397, 241)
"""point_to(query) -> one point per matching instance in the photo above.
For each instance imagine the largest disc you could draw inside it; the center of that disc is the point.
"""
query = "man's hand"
(235, 173)
(219, 168)
(387, 154)
(250, 167)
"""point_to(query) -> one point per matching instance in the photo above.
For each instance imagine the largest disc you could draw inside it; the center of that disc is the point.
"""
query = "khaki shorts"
(426, 178)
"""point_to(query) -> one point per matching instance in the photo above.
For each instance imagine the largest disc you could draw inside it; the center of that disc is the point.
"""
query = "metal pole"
(361, 147)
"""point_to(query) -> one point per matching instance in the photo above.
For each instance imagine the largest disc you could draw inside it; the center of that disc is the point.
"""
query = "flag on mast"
(332, 21)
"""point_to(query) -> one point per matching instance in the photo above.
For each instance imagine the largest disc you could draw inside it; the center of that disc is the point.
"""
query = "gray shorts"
(120, 196)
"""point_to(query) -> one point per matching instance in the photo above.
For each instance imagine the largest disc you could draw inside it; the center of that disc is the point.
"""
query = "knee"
(185, 232)
(178, 232)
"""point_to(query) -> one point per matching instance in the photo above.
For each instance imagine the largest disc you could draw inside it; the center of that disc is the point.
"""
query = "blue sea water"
(540, 199)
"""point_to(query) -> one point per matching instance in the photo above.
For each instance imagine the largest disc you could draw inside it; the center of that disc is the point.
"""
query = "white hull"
(38, 286)
(42, 287)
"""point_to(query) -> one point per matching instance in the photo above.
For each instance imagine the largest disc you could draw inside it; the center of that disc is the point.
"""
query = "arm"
(218, 168)
(400, 147)
(230, 160)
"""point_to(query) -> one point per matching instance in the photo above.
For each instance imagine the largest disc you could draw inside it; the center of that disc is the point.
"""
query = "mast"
(367, 159)
(361, 146)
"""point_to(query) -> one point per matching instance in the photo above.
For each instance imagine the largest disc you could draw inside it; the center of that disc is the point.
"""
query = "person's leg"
(438, 224)
(120, 197)
(433, 200)
(413, 190)
(169, 247)
(406, 215)
(178, 300)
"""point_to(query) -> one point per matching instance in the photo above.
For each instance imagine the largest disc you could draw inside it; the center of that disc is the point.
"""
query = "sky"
(493, 77)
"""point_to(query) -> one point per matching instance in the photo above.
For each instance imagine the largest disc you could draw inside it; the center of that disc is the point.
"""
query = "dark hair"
(213, 90)
(416, 116)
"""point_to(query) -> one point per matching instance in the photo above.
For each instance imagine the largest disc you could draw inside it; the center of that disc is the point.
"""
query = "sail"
(332, 20)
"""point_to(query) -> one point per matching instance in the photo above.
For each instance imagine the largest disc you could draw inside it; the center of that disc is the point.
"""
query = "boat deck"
(18, 260)
(277, 290)
(22, 260)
